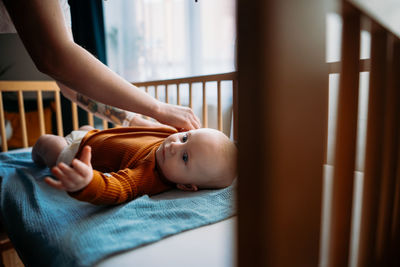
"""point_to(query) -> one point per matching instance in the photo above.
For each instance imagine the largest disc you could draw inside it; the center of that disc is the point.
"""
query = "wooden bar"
(178, 97)
(13, 86)
(373, 154)
(105, 124)
(60, 130)
(40, 112)
(219, 106)
(90, 119)
(4, 146)
(74, 110)
(346, 132)
(364, 65)
(391, 132)
(166, 94)
(235, 109)
(147, 91)
(395, 227)
(205, 113)
(190, 96)
(23, 119)
(156, 92)
(282, 131)
(205, 78)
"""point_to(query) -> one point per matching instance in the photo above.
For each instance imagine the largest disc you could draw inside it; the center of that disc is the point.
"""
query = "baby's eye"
(184, 138)
(185, 157)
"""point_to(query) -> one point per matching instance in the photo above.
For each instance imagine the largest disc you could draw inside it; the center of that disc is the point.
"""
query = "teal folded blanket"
(49, 228)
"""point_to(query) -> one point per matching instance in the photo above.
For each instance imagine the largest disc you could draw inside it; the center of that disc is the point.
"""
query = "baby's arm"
(73, 178)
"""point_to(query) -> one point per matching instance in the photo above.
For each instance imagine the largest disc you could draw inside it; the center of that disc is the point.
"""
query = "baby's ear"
(187, 187)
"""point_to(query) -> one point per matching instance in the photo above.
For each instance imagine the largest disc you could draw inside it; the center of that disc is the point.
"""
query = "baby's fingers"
(54, 183)
(86, 155)
(66, 175)
(81, 168)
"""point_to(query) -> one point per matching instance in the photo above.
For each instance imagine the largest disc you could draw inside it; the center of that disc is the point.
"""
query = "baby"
(113, 166)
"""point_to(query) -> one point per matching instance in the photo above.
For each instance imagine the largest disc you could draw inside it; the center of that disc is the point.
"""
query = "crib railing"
(280, 177)
(19, 87)
(379, 228)
(29, 86)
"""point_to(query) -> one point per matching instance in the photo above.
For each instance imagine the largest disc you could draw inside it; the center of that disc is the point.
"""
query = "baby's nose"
(172, 148)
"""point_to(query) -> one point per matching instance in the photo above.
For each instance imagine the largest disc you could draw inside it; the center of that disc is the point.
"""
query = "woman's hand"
(73, 178)
(182, 118)
(138, 120)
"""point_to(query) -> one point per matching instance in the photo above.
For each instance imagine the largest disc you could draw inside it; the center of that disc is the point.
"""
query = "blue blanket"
(49, 228)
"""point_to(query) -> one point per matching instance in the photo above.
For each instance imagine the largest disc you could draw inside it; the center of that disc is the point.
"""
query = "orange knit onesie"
(124, 164)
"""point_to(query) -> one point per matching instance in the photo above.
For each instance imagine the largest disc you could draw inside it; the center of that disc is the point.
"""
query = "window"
(161, 39)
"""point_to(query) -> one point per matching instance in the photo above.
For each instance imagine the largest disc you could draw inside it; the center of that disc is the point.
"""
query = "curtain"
(88, 31)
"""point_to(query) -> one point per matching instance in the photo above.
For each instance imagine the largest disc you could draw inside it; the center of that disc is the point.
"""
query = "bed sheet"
(48, 228)
(211, 245)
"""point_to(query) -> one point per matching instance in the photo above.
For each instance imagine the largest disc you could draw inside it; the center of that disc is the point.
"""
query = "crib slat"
(23, 119)
(342, 191)
(166, 93)
(391, 130)
(178, 97)
(4, 145)
(90, 119)
(156, 92)
(40, 111)
(235, 109)
(74, 109)
(205, 119)
(219, 106)
(105, 125)
(395, 227)
(373, 154)
(58, 114)
(146, 89)
(190, 96)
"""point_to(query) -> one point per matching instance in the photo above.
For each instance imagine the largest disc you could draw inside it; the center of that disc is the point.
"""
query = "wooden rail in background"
(49, 86)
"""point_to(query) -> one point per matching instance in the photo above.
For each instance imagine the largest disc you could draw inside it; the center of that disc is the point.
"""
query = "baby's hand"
(73, 178)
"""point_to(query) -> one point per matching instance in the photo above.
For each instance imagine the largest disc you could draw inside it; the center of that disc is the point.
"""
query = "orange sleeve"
(121, 186)
(108, 188)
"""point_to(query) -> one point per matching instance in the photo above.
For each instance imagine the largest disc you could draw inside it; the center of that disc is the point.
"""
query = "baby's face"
(186, 157)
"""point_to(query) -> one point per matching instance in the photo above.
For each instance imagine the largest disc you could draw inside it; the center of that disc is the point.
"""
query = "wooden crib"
(39, 87)
(283, 103)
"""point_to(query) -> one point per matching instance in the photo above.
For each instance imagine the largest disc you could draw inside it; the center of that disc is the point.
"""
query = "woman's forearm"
(42, 29)
(90, 77)
(106, 112)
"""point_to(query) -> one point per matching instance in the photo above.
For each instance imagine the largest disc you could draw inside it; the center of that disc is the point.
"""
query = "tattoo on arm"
(109, 113)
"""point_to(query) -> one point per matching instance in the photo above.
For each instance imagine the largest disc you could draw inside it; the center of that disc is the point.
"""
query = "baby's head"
(202, 158)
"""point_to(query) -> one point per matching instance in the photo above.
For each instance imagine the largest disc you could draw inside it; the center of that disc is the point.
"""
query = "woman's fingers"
(196, 122)
(191, 120)
(182, 118)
